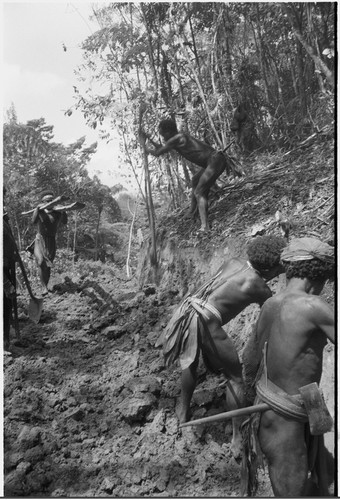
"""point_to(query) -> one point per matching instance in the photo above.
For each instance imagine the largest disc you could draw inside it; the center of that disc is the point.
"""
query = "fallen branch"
(323, 203)
(323, 221)
(303, 143)
(264, 176)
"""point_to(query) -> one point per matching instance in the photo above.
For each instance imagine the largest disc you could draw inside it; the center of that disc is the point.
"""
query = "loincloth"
(42, 251)
(289, 406)
(231, 167)
(182, 334)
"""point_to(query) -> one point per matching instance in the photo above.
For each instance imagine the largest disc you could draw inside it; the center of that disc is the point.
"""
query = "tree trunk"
(319, 64)
(148, 194)
(261, 55)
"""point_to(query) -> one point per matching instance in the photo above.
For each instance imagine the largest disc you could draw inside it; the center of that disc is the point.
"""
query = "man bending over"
(213, 163)
(197, 324)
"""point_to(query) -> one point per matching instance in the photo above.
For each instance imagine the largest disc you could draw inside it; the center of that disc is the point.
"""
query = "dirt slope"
(89, 408)
(88, 403)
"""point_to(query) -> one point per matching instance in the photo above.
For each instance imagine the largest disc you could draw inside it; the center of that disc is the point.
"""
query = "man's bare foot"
(236, 448)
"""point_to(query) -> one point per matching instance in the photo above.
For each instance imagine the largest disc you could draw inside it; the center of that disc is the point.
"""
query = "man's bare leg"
(282, 442)
(44, 274)
(232, 368)
(193, 212)
(202, 203)
(193, 205)
(201, 191)
(235, 398)
(188, 380)
(44, 270)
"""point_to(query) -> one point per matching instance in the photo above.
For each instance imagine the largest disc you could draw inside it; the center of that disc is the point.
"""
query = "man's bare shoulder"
(232, 265)
(179, 139)
(316, 304)
(300, 303)
(237, 272)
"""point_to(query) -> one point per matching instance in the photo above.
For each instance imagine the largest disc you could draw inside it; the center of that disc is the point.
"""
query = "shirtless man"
(296, 324)
(213, 163)
(197, 324)
(45, 244)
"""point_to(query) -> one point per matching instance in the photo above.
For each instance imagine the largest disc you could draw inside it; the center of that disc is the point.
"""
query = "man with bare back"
(213, 163)
(44, 245)
(291, 333)
(197, 324)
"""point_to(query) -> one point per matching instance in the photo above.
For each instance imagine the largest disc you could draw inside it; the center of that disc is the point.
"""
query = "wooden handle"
(229, 414)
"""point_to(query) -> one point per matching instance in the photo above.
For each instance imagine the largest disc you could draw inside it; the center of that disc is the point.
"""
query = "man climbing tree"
(213, 163)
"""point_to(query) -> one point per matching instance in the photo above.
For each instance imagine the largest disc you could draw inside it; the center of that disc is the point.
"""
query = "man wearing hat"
(48, 221)
(291, 333)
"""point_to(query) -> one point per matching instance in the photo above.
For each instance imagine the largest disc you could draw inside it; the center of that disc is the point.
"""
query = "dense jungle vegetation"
(194, 62)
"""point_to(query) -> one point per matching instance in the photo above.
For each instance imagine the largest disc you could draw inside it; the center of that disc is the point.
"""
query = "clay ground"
(89, 405)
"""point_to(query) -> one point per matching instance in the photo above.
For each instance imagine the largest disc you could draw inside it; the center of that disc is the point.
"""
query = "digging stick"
(319, 418)
(229, 414)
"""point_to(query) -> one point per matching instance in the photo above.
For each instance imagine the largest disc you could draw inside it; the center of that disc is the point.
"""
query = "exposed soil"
(89, 408)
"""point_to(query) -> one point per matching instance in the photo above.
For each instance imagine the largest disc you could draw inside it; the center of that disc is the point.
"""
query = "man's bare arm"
(168, 146)
(323, 317)
(64, 217)
(35, 216)
(154, 143)
(143, 136)
(253, 351)
(264, 294)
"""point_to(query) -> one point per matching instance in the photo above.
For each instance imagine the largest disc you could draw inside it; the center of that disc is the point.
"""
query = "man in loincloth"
(213, 163)
(44, 245)
(197, 324)
(290, 335)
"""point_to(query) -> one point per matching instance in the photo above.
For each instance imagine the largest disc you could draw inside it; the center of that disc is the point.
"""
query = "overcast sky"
(38, 75)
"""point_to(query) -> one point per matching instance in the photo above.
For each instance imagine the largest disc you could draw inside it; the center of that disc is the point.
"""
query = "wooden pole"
(148, 193)
(229, 414)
